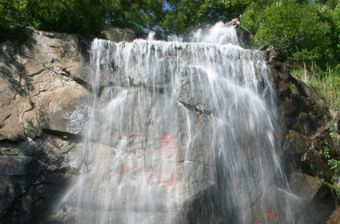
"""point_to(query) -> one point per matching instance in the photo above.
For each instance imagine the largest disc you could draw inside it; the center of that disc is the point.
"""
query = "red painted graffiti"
(154, 179)
(165, 152)
(157, 179)
(172, 181)
(122, 172)
(167, 146)
(270, 215)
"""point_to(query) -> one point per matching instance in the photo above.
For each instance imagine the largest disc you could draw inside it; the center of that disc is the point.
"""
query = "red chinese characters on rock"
(154, 179)
(166, 153)
(270, 215)
(172, 181)
(167, 148)
(157, 179)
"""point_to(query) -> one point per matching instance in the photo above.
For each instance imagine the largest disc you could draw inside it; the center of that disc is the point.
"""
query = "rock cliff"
(42, 111)
(306, 121)
(44, 93)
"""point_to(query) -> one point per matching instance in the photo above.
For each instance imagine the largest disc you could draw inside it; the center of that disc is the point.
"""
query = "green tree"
(141, 16)
(297, 29)
(13, 13)
(87, 17)
(329, 3)
(336, 19)
(186, 15)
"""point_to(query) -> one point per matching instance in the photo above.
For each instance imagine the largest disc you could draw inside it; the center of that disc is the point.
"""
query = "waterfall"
(182, 131)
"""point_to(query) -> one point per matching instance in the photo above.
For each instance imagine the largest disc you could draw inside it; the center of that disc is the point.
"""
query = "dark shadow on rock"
(84, 45)
(205, 208)
(319, 209)
(19, 35)
(10, 68)
(45, 179)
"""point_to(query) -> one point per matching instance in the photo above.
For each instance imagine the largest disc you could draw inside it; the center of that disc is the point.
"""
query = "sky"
(167, 6)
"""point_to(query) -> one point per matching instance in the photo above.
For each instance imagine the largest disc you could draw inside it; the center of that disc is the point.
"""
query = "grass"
(327, 84)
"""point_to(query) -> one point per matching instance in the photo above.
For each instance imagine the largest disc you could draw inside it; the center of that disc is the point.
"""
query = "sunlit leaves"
(186, 15)
(298, 29)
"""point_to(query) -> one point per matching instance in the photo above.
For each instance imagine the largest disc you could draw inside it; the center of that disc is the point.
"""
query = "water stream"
(182, 131)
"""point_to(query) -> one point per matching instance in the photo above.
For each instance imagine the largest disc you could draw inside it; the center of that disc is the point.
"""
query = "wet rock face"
(205, 101)
(43, 96)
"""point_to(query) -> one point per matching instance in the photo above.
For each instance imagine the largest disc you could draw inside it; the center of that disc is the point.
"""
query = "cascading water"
(182, 132)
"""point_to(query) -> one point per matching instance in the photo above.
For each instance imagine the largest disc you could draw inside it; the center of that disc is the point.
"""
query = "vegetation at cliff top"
(326, 83)
(305, 32)
(87, 17)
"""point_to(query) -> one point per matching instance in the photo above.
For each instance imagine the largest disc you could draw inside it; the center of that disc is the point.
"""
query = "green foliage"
(332, 186)
(141, 16)
(326, 83)
(297, 29)
(188, 14)
(308, 33)
(335, 15)
(333, 163)
(58, 15)
(13, 13)
(334, 134)
(92, 16)
(328, 3)
(80, 16)
(67, 15)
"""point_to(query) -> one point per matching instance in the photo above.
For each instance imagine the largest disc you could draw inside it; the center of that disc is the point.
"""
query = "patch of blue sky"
(167, 6)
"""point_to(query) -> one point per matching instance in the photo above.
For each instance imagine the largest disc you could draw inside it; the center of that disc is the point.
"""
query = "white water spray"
(182, 132)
